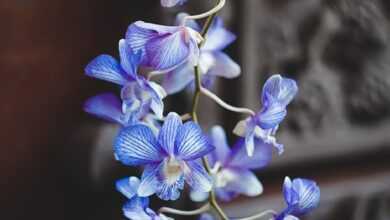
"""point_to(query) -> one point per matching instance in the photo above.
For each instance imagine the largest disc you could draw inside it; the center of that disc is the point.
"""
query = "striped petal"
(106, 67)
(107, 106)
(197, 177)
(128, 186)
(169, 131)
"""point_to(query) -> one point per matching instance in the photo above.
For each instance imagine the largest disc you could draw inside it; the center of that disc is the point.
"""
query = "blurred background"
(56, 161)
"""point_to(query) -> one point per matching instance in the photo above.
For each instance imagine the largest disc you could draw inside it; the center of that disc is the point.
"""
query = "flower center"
(224, 177)
(172, 170)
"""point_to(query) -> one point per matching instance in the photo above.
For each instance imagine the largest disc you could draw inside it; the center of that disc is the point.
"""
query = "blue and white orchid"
(169, 160)
(136, 208)
(171, 3)
(163, 48)
(277, 93)
(138, 96)
(232, 168)
(301, 196)
(213, 62)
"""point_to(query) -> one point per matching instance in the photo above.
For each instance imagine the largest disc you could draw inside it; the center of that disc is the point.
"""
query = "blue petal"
(134, 209)
(245, 182)
(224, 66)
(129, 60)
(137, 145)
(308, 193)
(250, 137)
(261, 157)
(157, 94)
(189, 23)
(169, 131)
(219, 141)
(271, 116)
(198, 196)
(107, 68)
(149, 182)
(218, 37)
(191, 143)
(168, 191)
(106, 106)
(206, 216)
(128, 186)
(197, 177)
(171, 3)
(279, 89)
(179, 78)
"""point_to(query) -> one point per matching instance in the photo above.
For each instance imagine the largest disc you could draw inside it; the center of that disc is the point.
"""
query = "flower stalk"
(199, 211)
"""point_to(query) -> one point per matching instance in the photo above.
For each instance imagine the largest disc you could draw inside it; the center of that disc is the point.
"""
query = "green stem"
(195, 102)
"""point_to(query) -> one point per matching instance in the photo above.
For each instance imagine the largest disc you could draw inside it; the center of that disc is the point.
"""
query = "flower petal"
(218, 38)
(206, 216)
(191, 143)
(129, 60)
(149, 182)
(137, 145)
(245, 182)
(219, 141)
(106, 67)
(271, 116)
(157, 94)
(106, 106)
(169, 191)
(171, 3)
(189, 23)
(198, 196)
(279, 89)
(128, 186)
(169, 131)
(134, 209)
(197, 177)
(308, 193)
(224, 66)
(261, 157)
(178, 79)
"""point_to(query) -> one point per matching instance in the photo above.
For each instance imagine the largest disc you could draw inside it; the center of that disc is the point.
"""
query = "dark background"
(56, 161)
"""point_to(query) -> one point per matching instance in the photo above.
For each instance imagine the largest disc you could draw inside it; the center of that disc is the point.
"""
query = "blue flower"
(301, 196)
(163, 48)
(171, 3)
(212, 62)
(169, 160)
(232, 168)
(277, 93)
(138, 95)
(136, 208)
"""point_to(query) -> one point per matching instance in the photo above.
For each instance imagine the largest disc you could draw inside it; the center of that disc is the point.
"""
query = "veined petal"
(219, 141)
(157, 95)
(218, 38)
(135, 208)
(245, 182)
(178, 79)
(170, 191)
(128, 186)
(224, 66)
(261, 157)
(169, 131)
(106, 106)
(271, 116)
(197, 177)
(171, 3)
(279, 89)
(250, 137)
(191, 143)
(149, 181)
(308, 196)
(129, 60)
(137, 145)
(106, 67)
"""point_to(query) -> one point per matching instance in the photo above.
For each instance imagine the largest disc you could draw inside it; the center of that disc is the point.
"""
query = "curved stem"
(201, 210)
(209, 13)
(260, 215)
(225, 105)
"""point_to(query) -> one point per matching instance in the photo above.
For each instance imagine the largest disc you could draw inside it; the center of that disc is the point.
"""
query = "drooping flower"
(169, 160)
(171, 3)
(213, 62)
(136, 208)
(163, 48)
(138, 95)
(277, 93)
(301, 196)
(232, 168)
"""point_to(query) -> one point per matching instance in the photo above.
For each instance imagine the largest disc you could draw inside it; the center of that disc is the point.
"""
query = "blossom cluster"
(174, 151)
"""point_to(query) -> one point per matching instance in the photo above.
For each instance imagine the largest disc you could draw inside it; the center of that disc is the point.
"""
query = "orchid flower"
(163, 48)
(277, 93)
(171, 3)
(138, 95)
(301, 196)
(169, 160)
(213, 62)
(232, 168)
(136, 208)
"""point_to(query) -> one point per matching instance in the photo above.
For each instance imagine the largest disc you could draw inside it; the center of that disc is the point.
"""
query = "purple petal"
(171, 3)
(197, 177)
(128, 186)
(206, 216)
(271, 116)
(189, 23)
(308, 195)
(106, 106)
(157, 95)
(218, 37)
(261, 157)
(106, 67)
(191, 143)
(169, 131)
(170, 191)
(149, 182)
(224, 66)
(129, 60)
(137, 145)
(279, 89)
(178, 79)
(244, 182)
(219, 141)
(135, 208)
(250, 137)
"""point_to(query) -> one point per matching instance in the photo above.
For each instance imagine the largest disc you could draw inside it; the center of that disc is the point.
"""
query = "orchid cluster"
(172, 149)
